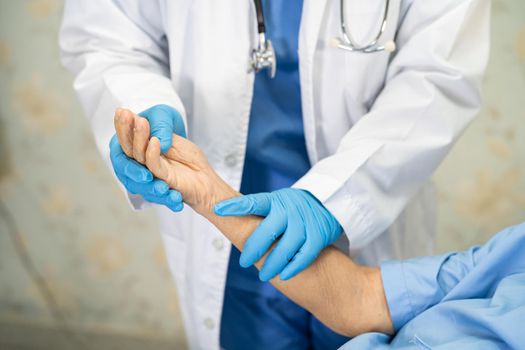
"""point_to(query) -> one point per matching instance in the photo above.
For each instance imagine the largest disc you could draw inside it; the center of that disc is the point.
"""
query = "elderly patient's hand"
(127, 152)
(183, 167)
(332, 289)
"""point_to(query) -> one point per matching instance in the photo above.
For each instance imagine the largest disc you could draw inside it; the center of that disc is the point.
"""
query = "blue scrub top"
(276, 155)
(469, 300)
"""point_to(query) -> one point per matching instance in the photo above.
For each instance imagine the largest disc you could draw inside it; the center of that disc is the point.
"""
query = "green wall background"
(105, 264)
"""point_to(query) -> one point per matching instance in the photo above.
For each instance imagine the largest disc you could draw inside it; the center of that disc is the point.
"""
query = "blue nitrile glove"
(306, 226)
(135, 177)
(163, 122)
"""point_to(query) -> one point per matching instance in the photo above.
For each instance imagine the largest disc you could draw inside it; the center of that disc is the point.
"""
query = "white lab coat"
(376, 125)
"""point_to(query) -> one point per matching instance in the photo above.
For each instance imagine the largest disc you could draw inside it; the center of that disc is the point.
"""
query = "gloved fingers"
(154, 191)
(291, 241)
(126, 166)
(164, 121)
(140, 139)
(304, 257)
(136, 171)
(324, 223)
(262, 238)
(155, 188)
(252, 204)
(124, 123)
(157, 164)
(172, 200)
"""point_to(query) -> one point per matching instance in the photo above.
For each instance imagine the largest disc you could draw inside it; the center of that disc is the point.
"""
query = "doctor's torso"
(375, 126)
(210, 43)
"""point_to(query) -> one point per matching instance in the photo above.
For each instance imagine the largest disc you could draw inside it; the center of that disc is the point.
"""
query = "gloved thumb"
(252, 204)
(164, 121)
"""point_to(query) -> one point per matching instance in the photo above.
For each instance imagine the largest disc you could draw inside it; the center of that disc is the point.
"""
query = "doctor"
(352, 137)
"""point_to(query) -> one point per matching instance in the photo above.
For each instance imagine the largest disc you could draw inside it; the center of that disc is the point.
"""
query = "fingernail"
(175, 196)
(161, 188)
(137, 175)
(146, 176)
(284, 276)
(242, 261)
(217, 209)
(121, 116)
(165, 145)
(264, 276)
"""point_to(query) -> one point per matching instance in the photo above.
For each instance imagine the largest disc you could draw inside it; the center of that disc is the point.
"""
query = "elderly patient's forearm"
(345, 296)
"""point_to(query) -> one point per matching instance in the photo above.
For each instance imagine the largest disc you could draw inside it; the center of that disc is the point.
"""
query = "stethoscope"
(348, 43)
(263, 57)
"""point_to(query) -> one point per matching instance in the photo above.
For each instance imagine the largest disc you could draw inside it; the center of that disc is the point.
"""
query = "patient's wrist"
(212, 190)
(236, 228)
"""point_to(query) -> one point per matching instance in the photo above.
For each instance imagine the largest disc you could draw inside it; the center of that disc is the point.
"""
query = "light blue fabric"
(469, 300)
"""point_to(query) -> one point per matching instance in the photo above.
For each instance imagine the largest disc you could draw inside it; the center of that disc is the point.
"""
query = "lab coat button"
(208, 323)
(218, 243)
(231, 160)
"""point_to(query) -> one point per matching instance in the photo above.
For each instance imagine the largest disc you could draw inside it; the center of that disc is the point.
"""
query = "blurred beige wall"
(104, 264)
(481, 184)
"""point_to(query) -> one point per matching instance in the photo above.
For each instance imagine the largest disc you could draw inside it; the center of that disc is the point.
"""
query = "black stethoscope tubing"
(263, 56)
(260, 16)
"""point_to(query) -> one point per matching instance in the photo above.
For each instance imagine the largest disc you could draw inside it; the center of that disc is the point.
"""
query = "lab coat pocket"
(363, 19)
(172, 228)
(366, 72)
(365, 75)
(175, 255)
(354, 109)
(174, 224)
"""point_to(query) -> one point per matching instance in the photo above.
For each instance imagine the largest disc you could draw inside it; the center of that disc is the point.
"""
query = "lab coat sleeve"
(415, 285)
(119, 54)
(432, 92)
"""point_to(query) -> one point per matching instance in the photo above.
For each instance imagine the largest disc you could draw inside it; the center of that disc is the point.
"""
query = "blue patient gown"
(256, 315)
(469, 300)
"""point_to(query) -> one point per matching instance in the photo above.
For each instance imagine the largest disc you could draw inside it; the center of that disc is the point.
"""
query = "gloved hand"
(306, 226)
(131, 139)
(164, 121)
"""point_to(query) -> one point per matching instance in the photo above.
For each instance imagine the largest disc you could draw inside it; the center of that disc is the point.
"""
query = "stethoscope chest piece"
(263, 57)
